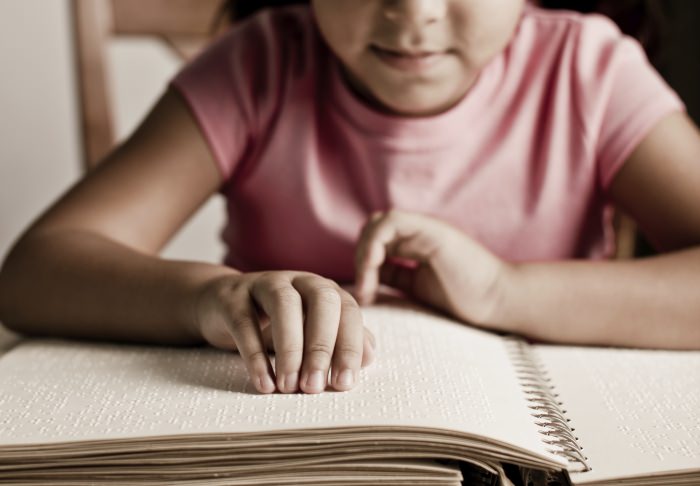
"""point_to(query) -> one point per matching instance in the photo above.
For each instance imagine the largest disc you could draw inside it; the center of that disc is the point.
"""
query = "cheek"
(484, 31)
(344, 25)
(501, 18)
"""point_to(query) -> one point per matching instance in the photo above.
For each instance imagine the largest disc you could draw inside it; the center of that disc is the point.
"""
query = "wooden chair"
(184, 25)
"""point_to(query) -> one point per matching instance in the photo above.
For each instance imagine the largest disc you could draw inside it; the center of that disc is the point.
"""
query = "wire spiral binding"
(545, 408)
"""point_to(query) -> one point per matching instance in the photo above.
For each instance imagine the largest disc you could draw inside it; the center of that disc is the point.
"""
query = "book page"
(636, 412)
(430, 372)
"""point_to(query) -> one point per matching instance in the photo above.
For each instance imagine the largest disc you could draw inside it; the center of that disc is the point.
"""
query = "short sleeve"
(621, 96)
(232, 87)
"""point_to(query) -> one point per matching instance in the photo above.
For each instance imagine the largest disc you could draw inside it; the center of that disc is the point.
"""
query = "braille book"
(440, 395)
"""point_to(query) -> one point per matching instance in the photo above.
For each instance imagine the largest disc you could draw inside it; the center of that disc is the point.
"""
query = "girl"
(463, 151)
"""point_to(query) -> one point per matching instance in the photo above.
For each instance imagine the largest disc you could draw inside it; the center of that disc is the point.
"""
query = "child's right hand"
(311, 323)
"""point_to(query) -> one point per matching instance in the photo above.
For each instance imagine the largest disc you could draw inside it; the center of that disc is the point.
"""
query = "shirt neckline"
(416, 133)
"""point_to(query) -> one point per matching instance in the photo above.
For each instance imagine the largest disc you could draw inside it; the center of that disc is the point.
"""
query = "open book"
(439, 392)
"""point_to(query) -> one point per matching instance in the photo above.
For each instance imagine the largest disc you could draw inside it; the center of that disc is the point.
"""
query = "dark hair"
(641, 19)
(235, 10)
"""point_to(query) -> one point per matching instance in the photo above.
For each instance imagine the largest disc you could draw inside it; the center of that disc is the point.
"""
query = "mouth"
(408, 60)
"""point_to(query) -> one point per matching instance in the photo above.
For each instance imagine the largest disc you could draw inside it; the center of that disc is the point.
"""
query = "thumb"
(398, 273)
(419, 281)
(395, 234)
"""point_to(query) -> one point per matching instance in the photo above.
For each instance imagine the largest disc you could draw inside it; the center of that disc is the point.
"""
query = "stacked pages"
(439, 393)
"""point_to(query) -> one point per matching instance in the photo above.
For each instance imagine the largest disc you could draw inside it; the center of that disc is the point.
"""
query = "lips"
(405, 53)
(408, 60)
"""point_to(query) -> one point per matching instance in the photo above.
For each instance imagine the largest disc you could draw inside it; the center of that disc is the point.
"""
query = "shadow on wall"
(679, 59)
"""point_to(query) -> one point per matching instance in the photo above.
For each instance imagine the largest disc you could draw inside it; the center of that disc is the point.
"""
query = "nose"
(415, 12)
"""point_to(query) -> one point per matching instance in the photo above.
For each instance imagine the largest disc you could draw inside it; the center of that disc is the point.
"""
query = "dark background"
(679, 56)
(678, 61)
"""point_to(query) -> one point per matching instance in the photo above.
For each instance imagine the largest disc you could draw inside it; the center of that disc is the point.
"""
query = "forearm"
(653, 302)
(79, 284)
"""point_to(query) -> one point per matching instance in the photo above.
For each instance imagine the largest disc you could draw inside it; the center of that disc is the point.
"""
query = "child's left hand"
(431, 261)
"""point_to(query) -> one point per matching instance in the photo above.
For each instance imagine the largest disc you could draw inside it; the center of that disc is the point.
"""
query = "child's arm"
(652, 302)
(89, 268)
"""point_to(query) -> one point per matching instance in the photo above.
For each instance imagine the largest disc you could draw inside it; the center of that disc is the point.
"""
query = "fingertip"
(345, 380)
(363, 299)
(288, 383)
(360, 287)
(365, 295)
(313, 382)
(265, 385)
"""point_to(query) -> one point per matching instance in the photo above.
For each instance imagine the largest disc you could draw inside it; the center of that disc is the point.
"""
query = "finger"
(370, 254)
(265, 330)
(246, 332)
(369, 348)
(323, 310)
(267, 339)
(397, 234)
(362, 273)
(409, 239)
(282, 303)
(398, 275)
(349, 345)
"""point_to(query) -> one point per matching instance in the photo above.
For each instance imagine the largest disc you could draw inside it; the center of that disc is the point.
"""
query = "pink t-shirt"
(521, 163)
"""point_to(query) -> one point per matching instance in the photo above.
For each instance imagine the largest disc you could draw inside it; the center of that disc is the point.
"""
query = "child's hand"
(309, 321)
(432, 262)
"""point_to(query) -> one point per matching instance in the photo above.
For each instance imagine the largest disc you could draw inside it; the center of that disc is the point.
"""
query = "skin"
(87, 254)
(466, 34)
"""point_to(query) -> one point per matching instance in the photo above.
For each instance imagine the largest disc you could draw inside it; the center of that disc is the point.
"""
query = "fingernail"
(290, 382)
(346, 378)
(266, 385)
(316, 382)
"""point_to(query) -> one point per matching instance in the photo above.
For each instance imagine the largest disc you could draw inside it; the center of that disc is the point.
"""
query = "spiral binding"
(546, 409)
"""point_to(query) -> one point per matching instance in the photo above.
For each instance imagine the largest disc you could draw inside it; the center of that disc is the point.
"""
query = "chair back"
(185, 26)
